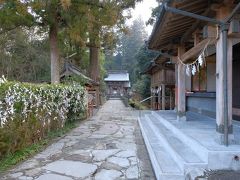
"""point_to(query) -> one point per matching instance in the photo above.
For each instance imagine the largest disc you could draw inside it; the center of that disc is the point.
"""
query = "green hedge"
(28, 112)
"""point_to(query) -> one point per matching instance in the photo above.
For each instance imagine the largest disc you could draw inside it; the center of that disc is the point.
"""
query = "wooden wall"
(236, 82)
(163, 77)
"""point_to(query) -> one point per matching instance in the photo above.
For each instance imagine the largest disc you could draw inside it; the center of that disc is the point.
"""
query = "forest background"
(27, 47)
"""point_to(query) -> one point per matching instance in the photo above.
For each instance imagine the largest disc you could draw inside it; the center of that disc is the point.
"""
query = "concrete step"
(164, 165)
(196, 147)
(183, 154)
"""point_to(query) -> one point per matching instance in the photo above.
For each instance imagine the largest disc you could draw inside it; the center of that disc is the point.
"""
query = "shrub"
(136, 105)
(29, 111)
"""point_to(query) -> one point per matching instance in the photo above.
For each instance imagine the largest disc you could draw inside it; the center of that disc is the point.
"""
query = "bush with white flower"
(29, 111)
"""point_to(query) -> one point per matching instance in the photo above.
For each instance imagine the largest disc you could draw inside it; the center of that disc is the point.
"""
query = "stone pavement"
(106, 147)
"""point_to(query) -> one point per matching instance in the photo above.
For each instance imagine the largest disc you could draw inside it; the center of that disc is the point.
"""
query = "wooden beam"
(234, 29)
(190, 4)
(154, 38)
(196, 37)
(193, 52)
(210, 31)
(160, 67)
(175, 33)
(181, 28)
(194, 26)
(234, 35)
(174, 59)
(216, 6)
(178, 24)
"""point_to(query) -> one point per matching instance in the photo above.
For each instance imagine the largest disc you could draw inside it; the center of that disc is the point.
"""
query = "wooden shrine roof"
(117, 76)
(70, 69)
(159, 63)
(171, 28)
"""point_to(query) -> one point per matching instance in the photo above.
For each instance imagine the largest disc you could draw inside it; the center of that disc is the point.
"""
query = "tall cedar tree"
(84, 20)
(98, 20)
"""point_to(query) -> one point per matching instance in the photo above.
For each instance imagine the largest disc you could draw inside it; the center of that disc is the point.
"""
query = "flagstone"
(133, 160)
(126, 154)
(108, 175)
(109, 166)
(25, 178)
(53, 177)
(72, 168)
(100, 155)
(28, 165)
(33, 172)
(51, 150)
(102, 148)
(132, 172)
(123, 162)
(16, 175)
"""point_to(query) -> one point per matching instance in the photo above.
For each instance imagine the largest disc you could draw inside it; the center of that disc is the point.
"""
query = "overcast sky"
(144, 10)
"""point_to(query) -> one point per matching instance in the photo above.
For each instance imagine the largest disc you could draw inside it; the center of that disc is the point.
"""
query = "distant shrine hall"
(118, 83)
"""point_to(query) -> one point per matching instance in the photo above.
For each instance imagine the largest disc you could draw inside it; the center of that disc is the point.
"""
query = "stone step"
(183, 155)
(164, 165)
(141, 113)
(196, 147)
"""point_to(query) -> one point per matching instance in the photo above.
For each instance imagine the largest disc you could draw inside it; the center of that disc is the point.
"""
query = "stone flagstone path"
(108, 146)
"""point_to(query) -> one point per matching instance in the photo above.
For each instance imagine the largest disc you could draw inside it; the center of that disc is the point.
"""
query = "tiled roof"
(117, 76)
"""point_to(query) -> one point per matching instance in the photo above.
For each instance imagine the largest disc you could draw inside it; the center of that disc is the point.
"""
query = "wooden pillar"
(158, 96)
(181, 99)
(170, 99)
(163, 97)
(176, 86)
(230, 80)
(220, 91)
(222, 109)
(163, 89)
(152, 99)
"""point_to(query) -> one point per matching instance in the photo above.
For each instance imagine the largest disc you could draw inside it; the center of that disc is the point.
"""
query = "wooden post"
(230, 81)
(181, 99)
(176, 87)
(158, 97)
(163, 89)
(170, 101)
(152, 106)
(220, 90)
(222, 109)
(163, 97)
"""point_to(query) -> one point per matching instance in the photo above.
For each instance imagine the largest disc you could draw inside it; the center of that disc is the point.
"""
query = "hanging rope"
(192, 68)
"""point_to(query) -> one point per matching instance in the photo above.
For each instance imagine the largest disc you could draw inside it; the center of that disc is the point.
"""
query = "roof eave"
(157, 25)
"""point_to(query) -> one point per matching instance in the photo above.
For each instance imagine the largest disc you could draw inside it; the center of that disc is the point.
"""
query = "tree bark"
(94, 68)
(55, 74)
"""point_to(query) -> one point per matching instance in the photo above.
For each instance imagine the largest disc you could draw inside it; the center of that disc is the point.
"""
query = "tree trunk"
(55, 74)
(94, 68)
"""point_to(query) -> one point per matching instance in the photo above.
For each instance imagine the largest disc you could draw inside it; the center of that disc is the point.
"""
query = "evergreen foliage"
(128, 45)
(73, 22)
(132, 55)
(24, 57)
(142, 83)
